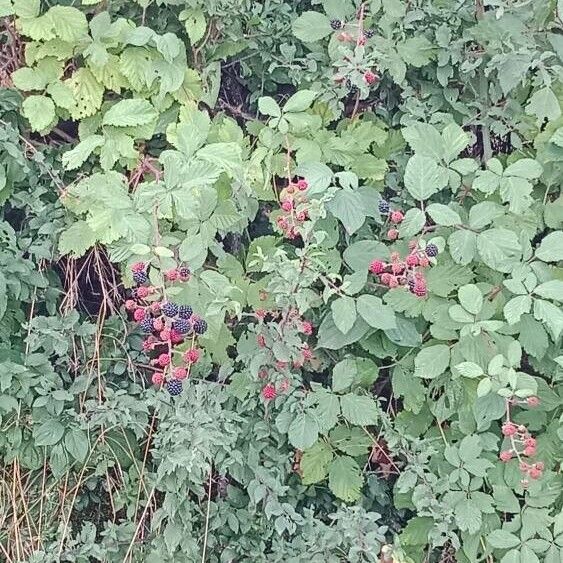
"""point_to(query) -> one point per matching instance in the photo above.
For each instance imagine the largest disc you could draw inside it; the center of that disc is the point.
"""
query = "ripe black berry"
(185, 311)
(383, 206)
(369, 33)
(431, 250)
(200, 326)
(352, 87)
(411, 283)
(183, 326)
(146, 325)
(336, 24)
(140, 277)
(184, 272)
(174, 387)
(170, 309)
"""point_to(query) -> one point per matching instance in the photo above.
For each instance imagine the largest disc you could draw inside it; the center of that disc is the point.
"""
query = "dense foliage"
(281, 281)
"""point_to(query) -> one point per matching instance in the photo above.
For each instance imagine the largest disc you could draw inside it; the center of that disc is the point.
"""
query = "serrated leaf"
(375, 313)
(311, 26)
(424, 177)
(469, 369)
(516, 307)
(550, 290)
(544, 105)
(471, 298)
(303, 431)
(129, 113)
(501, 539)
(345, 478)
(359, 409)
(68, 23)
(347, 206)
(463, 246)
(76, 444)
(268, 106)
(499, 249)
(77, 239)
(39, 111)
(79, 154)
(443, 215)
(48, 433)
(551, 247)
(344, 313)
(300, 101)
(432, 361)
(314, 463)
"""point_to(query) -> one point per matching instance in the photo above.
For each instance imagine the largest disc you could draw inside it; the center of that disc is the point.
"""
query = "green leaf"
(544, 105)
(68, 23)
(551, 247)
(327, 410)
(300, 101)
(347, 206)
(360, 254)
(39, 111)
(516, 307)
(48, 433)
(87, 92)
(471, 298)
(416, 51)
(359, 409)
(551, 315)
(303, 431)
(501, 539)
(344, 313)
(350, 440)
(268, 106)
(469, 369)
(424, 177)
(550, 290)
(375, 313)
(499, 249)
(27, 9)
(345, 478)
(432, 361)
(314, 463)
(528, 168)
(227, 156)
(79, 154)
(443, 215)
(195, 24)
(77, 239)
(343, 374)
(468, 516)
(26, 79)
(311, 26)
(413, 223)
(76, 444)
(463, 246)
(128, 113)
(425, 140)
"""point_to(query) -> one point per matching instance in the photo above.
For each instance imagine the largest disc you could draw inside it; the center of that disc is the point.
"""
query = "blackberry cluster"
(146, 325)
(174, 387)
(170, 309)
(200, 326)
(369, 33)
(383, 206)
(183, 326)
(336, 24)
(140, 277)
(185, 311)
(431, 250)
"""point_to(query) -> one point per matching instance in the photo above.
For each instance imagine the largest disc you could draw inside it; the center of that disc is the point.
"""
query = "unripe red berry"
(263, 374)
(392, 234)
(377, 267)
(155, 308)
(281, 365)
(539, 465)
(157, 378)
(533, 401)
(260, 313)
(393, 282)
(191, 356)
(147, 345)
(163, 360)
(524, 466)
(412, 260)
(397, 268)
(423, 261)
(396, 216)
(130, 304)
(138, 267)
(139, 314)
(385, 278)
(284, 385)
(269, 392)
(534, 473)
(370, 77)
(509, 429)
(180, 373)
(287, 206)
(307, 353)
(301, 216)
(158, 324)
(306, 328)
(142, 292)
(175, 337)
(530, 442)
(529, 451)
(505, 456)
(261, 340)
(302, 185)
(172, 275)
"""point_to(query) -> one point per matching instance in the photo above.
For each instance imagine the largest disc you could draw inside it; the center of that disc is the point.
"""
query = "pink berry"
(157, 378)
(533, 401)
(261, 340)
(158, 324)
(529, 451)
(396, 216)
(130, 304)
(307, 353)
(142, 292)
(284, 385)
(534, 473)
(260, 313)
(509, 429)
(506, 455)
(163, 360)
(306, 328)
(392, 234)
(530, 442)
(287, 206)
(423, 261)
(301, 216)
(539, 465)
(138, 267)
(192, 356)
(281, 365)
(370, 77)
(172, 275)
(397, 268)
(412, 260)
(385, 278)
(263, 374)
(393, 282)
(269, 392)
(180, 373)
(165, 334)
(302, 185)
(362, 41)
(377, 267)
(155, 308)
(139, 314)
(175, 337)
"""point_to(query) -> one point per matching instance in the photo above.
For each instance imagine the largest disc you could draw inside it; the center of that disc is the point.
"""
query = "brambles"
(171, 327)
(293, 204)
